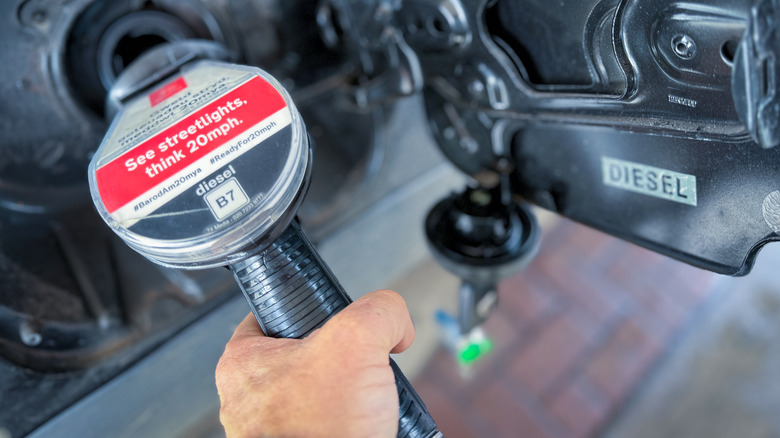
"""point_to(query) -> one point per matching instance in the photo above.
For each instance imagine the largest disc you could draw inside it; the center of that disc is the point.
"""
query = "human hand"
(335, 382)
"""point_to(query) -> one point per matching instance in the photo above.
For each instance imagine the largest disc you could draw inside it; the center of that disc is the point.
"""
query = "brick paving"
(574, 336)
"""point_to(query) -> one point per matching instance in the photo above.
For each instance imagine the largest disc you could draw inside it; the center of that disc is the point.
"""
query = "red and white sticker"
(152, 173)
(167, 91)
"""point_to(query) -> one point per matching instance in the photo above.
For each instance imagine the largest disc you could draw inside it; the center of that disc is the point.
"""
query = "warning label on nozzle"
(153, 172)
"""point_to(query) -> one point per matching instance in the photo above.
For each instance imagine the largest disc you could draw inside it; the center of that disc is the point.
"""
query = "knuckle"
(392, 298)
(222, 372)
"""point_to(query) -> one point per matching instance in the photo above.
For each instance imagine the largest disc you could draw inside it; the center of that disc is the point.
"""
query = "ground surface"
(580, 339)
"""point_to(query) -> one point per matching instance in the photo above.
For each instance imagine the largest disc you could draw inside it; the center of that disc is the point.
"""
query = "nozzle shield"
(204, 168)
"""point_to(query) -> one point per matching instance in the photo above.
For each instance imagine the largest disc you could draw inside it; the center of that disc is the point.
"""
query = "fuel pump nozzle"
(205, 165)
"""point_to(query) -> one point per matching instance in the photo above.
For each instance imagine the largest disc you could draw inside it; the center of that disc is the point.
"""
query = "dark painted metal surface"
(562, 169)
(649, 82)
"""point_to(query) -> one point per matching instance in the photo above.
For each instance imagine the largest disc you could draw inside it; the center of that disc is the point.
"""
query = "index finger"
(249, 327)
(379, 318)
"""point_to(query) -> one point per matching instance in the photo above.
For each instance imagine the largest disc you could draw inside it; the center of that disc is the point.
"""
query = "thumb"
(379, 320)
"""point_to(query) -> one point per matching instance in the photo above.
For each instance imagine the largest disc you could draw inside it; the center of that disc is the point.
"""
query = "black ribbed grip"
(292, 292)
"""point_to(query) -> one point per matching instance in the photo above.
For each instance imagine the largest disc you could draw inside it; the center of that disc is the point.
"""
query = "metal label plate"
(649, 180)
